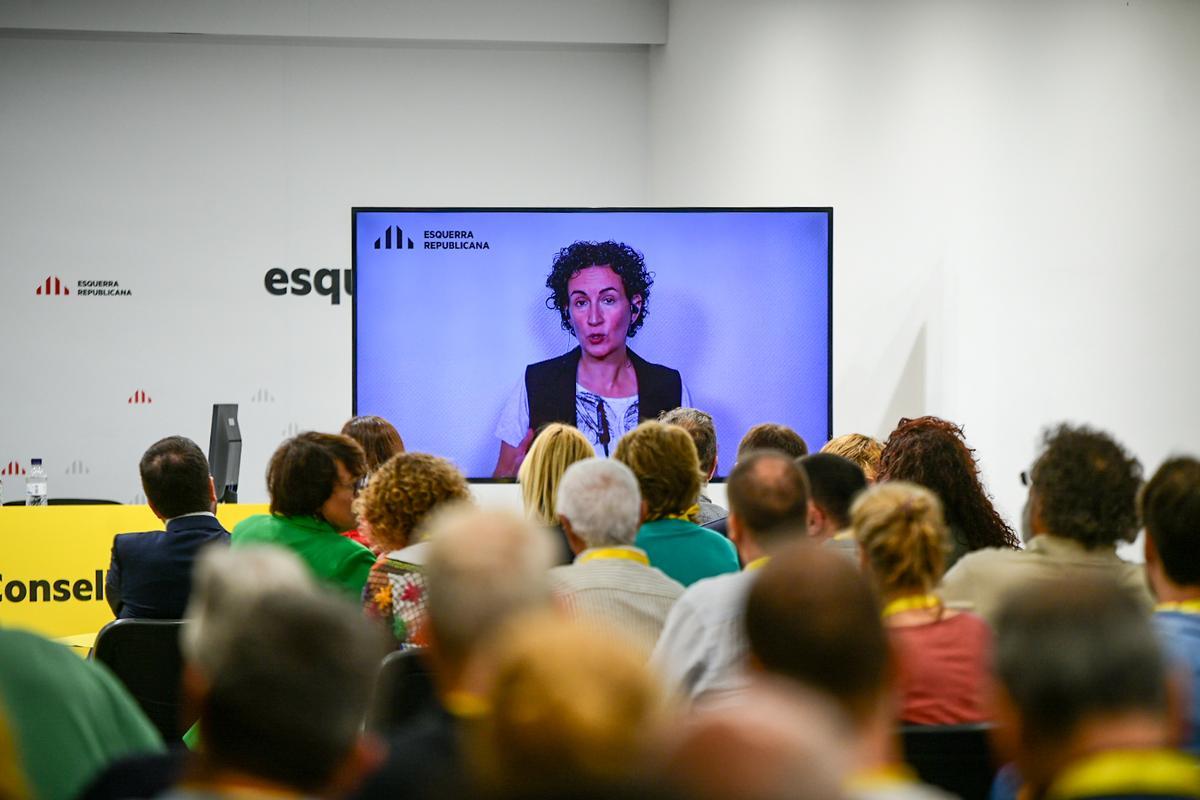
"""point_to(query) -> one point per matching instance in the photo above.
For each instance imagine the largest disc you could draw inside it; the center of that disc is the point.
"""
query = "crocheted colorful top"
(395, 593)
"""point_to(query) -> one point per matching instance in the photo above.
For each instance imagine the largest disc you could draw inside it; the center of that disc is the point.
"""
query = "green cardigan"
(333, 558)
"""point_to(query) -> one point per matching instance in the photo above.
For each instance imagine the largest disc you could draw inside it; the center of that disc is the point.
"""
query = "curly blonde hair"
(403, 491)
(663, 457)
(859, 448)
(902, 532)
(556, 447)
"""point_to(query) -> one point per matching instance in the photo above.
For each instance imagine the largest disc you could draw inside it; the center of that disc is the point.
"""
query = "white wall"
(1014, 184)
(1015, 192)
(186, 169)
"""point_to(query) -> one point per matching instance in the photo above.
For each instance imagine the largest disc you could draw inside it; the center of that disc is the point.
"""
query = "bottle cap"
(36, 462)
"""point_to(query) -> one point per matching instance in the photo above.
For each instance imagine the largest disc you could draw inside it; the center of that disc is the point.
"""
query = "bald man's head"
(769, 495)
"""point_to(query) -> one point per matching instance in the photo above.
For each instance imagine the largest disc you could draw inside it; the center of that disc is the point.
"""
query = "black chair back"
(403, 690)
(144, 654)
(957, 758)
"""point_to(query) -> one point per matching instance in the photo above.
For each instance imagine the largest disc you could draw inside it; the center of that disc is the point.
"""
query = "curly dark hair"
(628, 263)
(1086, 486)
(933, 453)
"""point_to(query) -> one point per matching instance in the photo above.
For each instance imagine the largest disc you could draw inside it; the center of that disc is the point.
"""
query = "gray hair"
(601, 500)
(699, 425)
(484, 568)
(288, 700)
(225, 584)
(1076, 649)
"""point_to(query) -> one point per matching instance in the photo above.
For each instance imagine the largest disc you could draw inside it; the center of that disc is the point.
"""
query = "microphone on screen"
(605, 435)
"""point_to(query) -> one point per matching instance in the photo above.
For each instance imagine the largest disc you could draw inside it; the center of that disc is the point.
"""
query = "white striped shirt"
(624, 594)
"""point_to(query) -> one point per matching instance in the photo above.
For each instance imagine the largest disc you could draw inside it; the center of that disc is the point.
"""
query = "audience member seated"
(569, 706)
(312, 481)
(225, 585)
(484, 569)
(933, 453)
(859, 448)
(774, 741)
(766, 436)
(556, 447)
(1170, 505)
(833, 483)
(772, 436)
(379, 440)
(397, 501)
(702, 649)
(812, 618)
(150, 574)
(942, 656)
(1083, 705)
(611, 581)
(1081, 503)
(664, 460)
(69, 718)
(700, 427)
(281, 712)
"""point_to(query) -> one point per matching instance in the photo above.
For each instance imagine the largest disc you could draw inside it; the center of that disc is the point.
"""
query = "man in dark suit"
(151, 573)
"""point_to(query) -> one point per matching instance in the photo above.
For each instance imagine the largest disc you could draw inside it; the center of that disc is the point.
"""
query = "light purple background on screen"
(739, 306)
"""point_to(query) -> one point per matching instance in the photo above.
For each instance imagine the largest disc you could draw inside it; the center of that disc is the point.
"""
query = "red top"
(943, 670)
(357, 536)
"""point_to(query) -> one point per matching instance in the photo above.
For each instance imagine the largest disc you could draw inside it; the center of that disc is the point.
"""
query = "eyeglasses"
(1026, 478)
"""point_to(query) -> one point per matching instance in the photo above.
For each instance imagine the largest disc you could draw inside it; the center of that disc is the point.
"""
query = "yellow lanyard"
(882, 777)
(233, 790)
(1182, 606)
(614, 552)
(465, 705)
(914, 601)
(687, 515)
(1126, 772)
(758, 563)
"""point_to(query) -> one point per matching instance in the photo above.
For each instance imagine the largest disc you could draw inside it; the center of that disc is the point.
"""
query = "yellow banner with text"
(53, 560)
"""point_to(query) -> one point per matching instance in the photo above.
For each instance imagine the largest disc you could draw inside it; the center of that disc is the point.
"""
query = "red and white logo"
(139, 397)
(52, 285)
(12, 468)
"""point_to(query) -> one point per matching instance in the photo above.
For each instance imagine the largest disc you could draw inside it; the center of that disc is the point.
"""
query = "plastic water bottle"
(35, 483)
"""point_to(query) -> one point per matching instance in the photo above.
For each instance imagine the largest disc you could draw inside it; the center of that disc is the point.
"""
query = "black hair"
(175, 477)
(1170, 505)
(627, 263)
(834, 482)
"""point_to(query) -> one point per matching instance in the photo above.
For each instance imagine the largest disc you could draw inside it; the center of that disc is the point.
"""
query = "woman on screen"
(601, 291)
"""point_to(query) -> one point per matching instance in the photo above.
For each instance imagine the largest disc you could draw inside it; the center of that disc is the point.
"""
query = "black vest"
(550, 386)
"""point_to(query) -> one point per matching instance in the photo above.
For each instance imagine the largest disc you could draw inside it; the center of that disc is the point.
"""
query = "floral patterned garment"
(395, 595)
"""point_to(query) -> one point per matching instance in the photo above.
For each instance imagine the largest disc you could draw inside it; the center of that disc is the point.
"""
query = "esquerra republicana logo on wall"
(55, 286)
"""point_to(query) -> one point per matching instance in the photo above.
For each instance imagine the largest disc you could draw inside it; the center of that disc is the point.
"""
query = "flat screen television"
(472, 324)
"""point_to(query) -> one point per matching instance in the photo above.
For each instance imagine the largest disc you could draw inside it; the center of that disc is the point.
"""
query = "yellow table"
(53, 560)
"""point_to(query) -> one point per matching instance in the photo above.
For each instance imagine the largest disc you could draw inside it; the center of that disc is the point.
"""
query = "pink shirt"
(943, 670)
